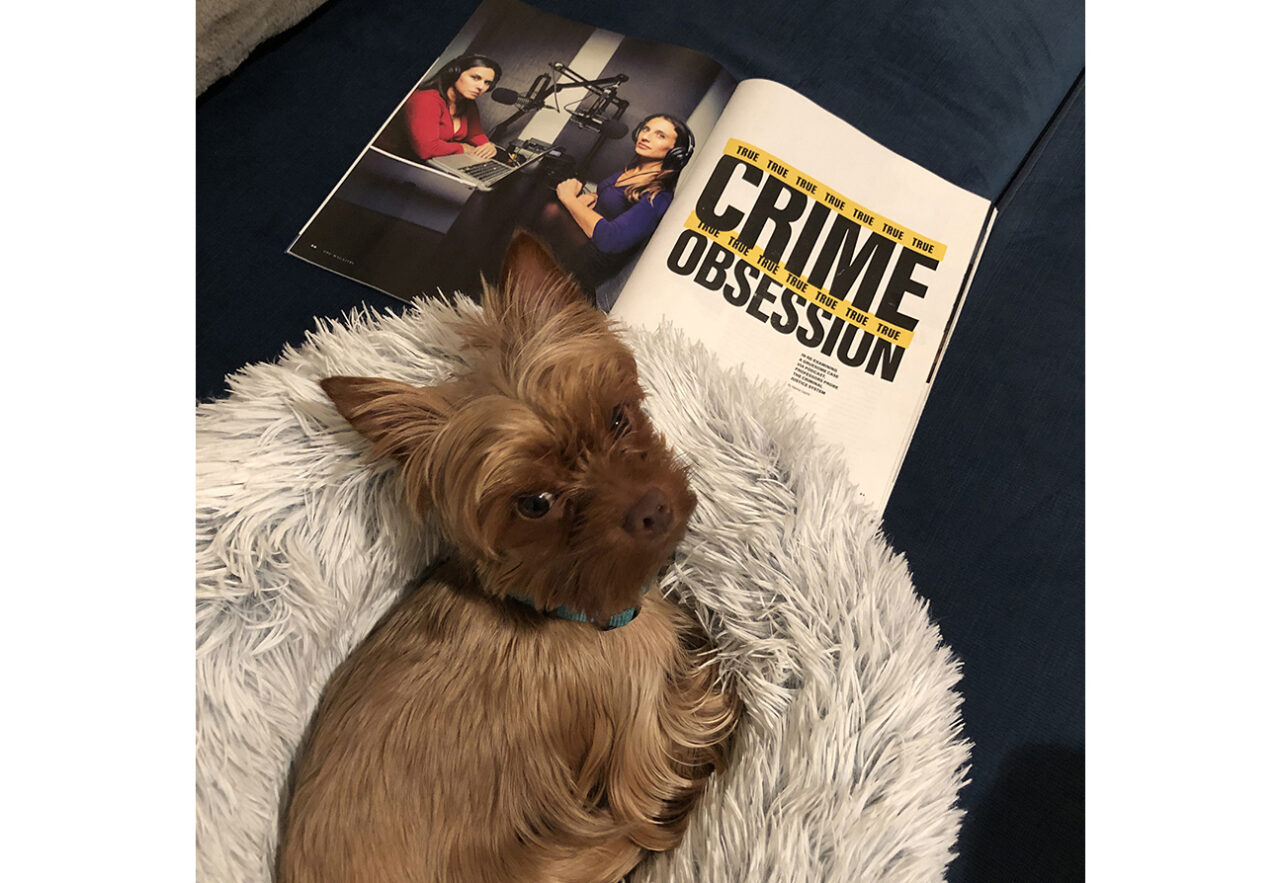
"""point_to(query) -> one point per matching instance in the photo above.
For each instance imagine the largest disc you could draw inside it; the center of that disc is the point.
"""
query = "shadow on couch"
(1038, 802)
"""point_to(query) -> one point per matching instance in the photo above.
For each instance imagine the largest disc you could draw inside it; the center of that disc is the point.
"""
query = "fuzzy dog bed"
(849, 756)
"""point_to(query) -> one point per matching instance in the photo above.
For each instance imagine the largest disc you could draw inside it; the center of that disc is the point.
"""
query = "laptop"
(483, 174)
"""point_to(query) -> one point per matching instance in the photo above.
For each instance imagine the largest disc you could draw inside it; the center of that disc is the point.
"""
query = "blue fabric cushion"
(989, 510)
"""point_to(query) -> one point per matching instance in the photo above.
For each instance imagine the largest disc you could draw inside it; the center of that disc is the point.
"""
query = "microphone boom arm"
(604, 88)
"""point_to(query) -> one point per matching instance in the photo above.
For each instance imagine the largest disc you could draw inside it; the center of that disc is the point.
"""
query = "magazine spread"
(808, 254)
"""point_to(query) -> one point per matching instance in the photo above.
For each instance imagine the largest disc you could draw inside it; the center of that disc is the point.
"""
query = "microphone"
(504, 96)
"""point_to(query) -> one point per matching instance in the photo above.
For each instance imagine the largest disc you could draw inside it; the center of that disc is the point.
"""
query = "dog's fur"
(474, 736)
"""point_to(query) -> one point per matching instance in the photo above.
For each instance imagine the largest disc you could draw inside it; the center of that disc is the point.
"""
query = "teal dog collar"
(618, 620)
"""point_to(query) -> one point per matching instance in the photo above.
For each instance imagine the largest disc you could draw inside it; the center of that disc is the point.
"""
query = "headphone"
(449, 74)
(679, 155)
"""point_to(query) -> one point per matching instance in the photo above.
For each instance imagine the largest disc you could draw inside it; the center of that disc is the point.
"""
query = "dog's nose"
(649, 517)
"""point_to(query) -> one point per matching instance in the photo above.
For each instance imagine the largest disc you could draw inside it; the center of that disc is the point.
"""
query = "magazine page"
(816, 258)
(526, 120)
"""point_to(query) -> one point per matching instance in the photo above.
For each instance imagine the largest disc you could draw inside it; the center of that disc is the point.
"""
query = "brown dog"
(480, 733)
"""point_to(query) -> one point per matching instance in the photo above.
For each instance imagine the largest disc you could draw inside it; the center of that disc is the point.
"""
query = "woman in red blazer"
(441, 117)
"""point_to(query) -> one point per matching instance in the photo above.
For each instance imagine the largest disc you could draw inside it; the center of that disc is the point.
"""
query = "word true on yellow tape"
(841, 309)
(767, 162)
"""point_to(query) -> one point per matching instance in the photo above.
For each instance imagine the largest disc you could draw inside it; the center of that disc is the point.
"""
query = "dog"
(532, 712)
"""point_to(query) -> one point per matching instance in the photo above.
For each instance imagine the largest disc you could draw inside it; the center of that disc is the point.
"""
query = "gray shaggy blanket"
(228, 30)
(849, 757)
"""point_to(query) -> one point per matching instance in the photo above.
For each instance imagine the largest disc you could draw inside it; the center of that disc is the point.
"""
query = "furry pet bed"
(849, 756)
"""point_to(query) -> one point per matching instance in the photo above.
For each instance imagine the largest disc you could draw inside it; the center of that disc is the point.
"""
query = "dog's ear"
(398, 418)
(532, 284)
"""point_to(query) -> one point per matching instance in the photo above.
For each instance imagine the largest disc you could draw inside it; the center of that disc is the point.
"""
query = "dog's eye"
(619, 424)
(535, 505)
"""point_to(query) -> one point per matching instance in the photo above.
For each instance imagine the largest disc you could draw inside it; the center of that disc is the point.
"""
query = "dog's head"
(544, 471)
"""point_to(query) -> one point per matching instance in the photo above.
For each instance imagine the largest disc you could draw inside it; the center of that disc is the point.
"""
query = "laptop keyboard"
(486, 170)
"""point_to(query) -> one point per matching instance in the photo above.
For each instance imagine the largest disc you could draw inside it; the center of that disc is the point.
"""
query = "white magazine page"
(818, 259)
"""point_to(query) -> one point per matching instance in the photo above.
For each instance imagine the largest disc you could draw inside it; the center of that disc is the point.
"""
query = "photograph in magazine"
(526, 120)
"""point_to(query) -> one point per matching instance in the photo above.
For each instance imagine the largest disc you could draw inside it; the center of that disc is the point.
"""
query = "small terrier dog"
(508, 721)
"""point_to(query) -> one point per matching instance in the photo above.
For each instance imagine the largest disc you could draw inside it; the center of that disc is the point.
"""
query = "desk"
(408, 230)
(476, 241)
(413, 192)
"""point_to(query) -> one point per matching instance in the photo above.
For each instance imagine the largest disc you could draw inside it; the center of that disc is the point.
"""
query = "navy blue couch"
(989, 506)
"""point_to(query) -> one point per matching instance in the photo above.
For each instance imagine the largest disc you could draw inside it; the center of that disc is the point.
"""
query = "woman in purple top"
(608, 226)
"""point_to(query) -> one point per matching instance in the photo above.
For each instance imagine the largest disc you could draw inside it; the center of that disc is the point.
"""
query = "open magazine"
(775, 233)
